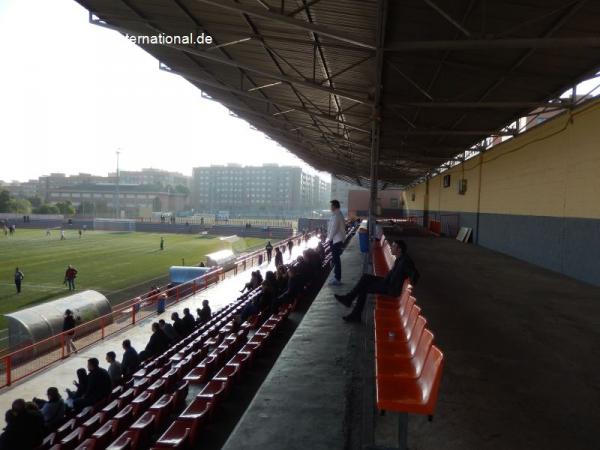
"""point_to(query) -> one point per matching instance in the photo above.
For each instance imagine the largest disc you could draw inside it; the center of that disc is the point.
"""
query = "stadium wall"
(535, 197)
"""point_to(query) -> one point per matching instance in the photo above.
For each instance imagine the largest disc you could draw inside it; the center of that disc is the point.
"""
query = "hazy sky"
(71, 93)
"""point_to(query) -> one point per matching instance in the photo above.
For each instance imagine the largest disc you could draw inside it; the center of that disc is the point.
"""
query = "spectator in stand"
(24, 427)
(269, 249)
(403, 268)
(130, 361)
(99, 386)
(290, 245)
(81, 384)
(178, 324)
(255, 281)
(262, 301)
(336, 233)
(69, 330)
(294, 287)
(53, 410)
(168, 329)
(188, 321)
(205, 313)
(157, 344)
(321, 251)
(70, 275)
(115, 370)
(281, 279)
(278, 258)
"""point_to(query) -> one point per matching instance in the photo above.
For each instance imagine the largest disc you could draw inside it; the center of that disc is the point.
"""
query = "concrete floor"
(522, 348)
(62, 374)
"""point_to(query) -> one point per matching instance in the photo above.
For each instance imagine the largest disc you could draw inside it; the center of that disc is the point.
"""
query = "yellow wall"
(551, 170)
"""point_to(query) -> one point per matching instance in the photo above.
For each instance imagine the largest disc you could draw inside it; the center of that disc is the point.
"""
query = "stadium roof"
(420, 81)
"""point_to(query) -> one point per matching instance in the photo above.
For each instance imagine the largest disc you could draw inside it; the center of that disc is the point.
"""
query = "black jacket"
(403, 268)
(189, 322)
(180, 327)
(99, 386)
(158, 343)
(130, 362)
(68, 323)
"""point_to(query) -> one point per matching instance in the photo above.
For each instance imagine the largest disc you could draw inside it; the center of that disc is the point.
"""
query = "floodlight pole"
(117, 187)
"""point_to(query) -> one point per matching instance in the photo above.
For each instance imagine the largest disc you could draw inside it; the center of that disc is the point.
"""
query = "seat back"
(406, 307)
(429, 381)
(415, 336)
(412, 321)
(425, 343)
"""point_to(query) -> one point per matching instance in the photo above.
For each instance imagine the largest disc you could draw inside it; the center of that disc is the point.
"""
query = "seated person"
(282, 279)
(205, 313)
(53, 410)
(391, 284)
(81, 384)
(99, 386)
(130, 361)
(294, 288)
(188, 321)
(178, 324)
(255, 281)
(157, 344)
(25, 427)
(169, 331)
(114, 368)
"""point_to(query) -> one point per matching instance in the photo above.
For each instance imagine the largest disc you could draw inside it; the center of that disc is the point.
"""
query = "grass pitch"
(109, 262)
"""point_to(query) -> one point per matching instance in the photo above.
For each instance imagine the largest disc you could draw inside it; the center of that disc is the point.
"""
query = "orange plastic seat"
(104, 435)
(72, 440)
(177, 436)
(228, 373)
(390, 346)
(123, 418)
(401, 329)
(125, 441)
(214, 390)
(391, 366)
(88, 444)
(162, 408)
(141, 403)
(409, 395)
(143, 428)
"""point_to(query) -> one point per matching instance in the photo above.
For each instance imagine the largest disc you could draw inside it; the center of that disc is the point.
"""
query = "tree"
(35, 201)
(46, 208)
(65, 208)
(20, 206)
(181, 189)
(4, 201)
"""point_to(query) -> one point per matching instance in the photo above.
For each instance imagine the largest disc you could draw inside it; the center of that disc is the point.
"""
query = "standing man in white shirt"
(336, 233)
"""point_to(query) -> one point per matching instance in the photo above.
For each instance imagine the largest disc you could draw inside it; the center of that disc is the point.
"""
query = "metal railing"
(32, 358)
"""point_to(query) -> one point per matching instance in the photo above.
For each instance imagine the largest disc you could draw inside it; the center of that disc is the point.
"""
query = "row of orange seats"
(408, 366)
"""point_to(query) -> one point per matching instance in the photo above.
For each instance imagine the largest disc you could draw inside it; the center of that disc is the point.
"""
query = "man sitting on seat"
(390, 285)
(99, 386)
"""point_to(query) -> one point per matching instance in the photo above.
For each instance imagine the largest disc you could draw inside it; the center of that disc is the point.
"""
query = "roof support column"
(376, 116)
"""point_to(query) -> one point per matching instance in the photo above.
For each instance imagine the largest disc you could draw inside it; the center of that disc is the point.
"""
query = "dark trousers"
(71, 283)
(368, 284)
(336, 252)
(18, 285)
(269, 253)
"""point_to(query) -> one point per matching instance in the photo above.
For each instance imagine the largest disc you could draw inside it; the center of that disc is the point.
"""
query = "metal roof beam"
(480, 105)
(490, 44)
(450, 133)
(269, 15)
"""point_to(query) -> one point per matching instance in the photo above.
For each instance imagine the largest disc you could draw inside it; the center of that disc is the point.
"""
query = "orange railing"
(28, 360)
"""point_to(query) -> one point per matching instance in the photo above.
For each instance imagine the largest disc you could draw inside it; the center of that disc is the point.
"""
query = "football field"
(113, 263)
